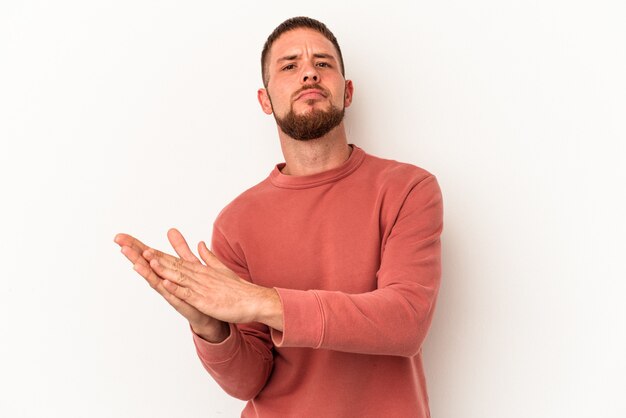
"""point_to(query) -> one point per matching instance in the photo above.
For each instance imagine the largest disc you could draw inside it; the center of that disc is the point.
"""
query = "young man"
(322, 280)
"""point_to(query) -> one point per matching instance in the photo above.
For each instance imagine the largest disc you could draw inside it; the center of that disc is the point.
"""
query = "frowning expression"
(304, 74)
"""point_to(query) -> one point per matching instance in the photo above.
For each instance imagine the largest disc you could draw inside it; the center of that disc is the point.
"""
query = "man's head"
(304, 80)
(299, 22)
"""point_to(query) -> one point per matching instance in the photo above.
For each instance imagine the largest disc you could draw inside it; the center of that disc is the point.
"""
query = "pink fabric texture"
(354, 253)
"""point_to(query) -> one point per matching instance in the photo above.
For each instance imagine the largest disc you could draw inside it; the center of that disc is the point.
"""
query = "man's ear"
(347, 99)
(264, 101)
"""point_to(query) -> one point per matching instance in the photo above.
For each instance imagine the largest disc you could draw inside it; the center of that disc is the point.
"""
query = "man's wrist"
(270, 310)
(214, 334)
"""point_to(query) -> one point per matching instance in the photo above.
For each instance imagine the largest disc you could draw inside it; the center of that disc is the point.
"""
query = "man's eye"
(289, 67)
(323, 64)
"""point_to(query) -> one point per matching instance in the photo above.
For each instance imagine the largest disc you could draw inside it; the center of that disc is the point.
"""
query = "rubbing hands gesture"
(208, 295)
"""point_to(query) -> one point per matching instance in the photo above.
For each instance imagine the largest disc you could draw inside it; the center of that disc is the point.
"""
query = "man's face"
(306, 91)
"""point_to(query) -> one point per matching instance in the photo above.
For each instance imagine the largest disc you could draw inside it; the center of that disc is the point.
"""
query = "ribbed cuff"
(303, 319)
(219, 352)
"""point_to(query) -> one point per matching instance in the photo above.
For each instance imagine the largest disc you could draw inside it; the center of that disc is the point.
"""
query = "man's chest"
(333, 245)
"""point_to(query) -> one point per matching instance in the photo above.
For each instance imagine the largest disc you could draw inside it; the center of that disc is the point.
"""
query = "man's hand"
(205, 326)
(210, 295)
(215, 290)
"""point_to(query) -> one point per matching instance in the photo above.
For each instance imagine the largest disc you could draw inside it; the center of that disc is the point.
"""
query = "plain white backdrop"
(136, 116)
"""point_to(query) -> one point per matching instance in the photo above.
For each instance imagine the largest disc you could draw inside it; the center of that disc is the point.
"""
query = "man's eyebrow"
(287, 58)
(317, 55)
(322, 55)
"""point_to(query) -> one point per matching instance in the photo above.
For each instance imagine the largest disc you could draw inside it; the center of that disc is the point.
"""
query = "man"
(322, 279)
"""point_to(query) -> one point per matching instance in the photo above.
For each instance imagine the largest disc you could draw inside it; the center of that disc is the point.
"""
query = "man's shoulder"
(392, 172)
(245, 202)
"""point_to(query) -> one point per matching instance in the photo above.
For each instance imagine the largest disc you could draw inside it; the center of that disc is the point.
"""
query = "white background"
(137, 116)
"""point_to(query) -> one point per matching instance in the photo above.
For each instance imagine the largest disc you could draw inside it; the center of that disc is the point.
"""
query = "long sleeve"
(242, 363)
(394, 318)
(354, 253)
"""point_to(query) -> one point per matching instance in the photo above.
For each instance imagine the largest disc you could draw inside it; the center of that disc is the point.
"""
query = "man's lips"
(311, 94)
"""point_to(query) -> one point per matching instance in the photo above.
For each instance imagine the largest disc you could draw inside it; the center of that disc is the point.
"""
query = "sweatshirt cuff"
(303, 319)
(218, 352)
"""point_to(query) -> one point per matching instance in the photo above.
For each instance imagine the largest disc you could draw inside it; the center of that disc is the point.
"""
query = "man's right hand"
(206, 327)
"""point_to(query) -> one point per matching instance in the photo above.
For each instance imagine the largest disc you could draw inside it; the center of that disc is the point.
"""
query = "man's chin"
(314, 105)
(313, 124)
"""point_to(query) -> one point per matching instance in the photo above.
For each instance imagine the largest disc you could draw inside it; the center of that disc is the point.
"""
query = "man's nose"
(310, 75)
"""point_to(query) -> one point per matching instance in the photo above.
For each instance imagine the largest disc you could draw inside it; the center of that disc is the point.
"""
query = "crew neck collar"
(279, 179)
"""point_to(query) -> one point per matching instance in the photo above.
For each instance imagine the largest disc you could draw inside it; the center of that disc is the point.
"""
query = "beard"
(310, 125)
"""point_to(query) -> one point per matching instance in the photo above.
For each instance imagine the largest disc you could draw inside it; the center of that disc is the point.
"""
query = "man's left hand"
(216, 290)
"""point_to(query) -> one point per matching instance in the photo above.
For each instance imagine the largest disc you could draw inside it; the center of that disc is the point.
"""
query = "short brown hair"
(296, 23)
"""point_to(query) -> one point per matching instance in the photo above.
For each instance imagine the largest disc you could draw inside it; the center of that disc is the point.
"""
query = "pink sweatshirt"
(354, 253)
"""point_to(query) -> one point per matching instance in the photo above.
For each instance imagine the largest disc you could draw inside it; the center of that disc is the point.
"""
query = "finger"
(134, 255)
(183, 293)
(143, 268)
(156, 283)
(172, 262)
(180, 305)
(134, 247)
(207, 256)
(141, 265)
(129, 241)
(178, 276)
(180, 246)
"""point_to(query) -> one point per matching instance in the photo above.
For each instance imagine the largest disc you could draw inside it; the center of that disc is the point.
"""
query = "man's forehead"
(296, 41)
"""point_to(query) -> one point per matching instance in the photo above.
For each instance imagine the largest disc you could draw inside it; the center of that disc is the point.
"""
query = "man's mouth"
(311, 94)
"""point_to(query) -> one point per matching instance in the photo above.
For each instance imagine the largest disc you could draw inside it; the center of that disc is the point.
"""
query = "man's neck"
(315, 155)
